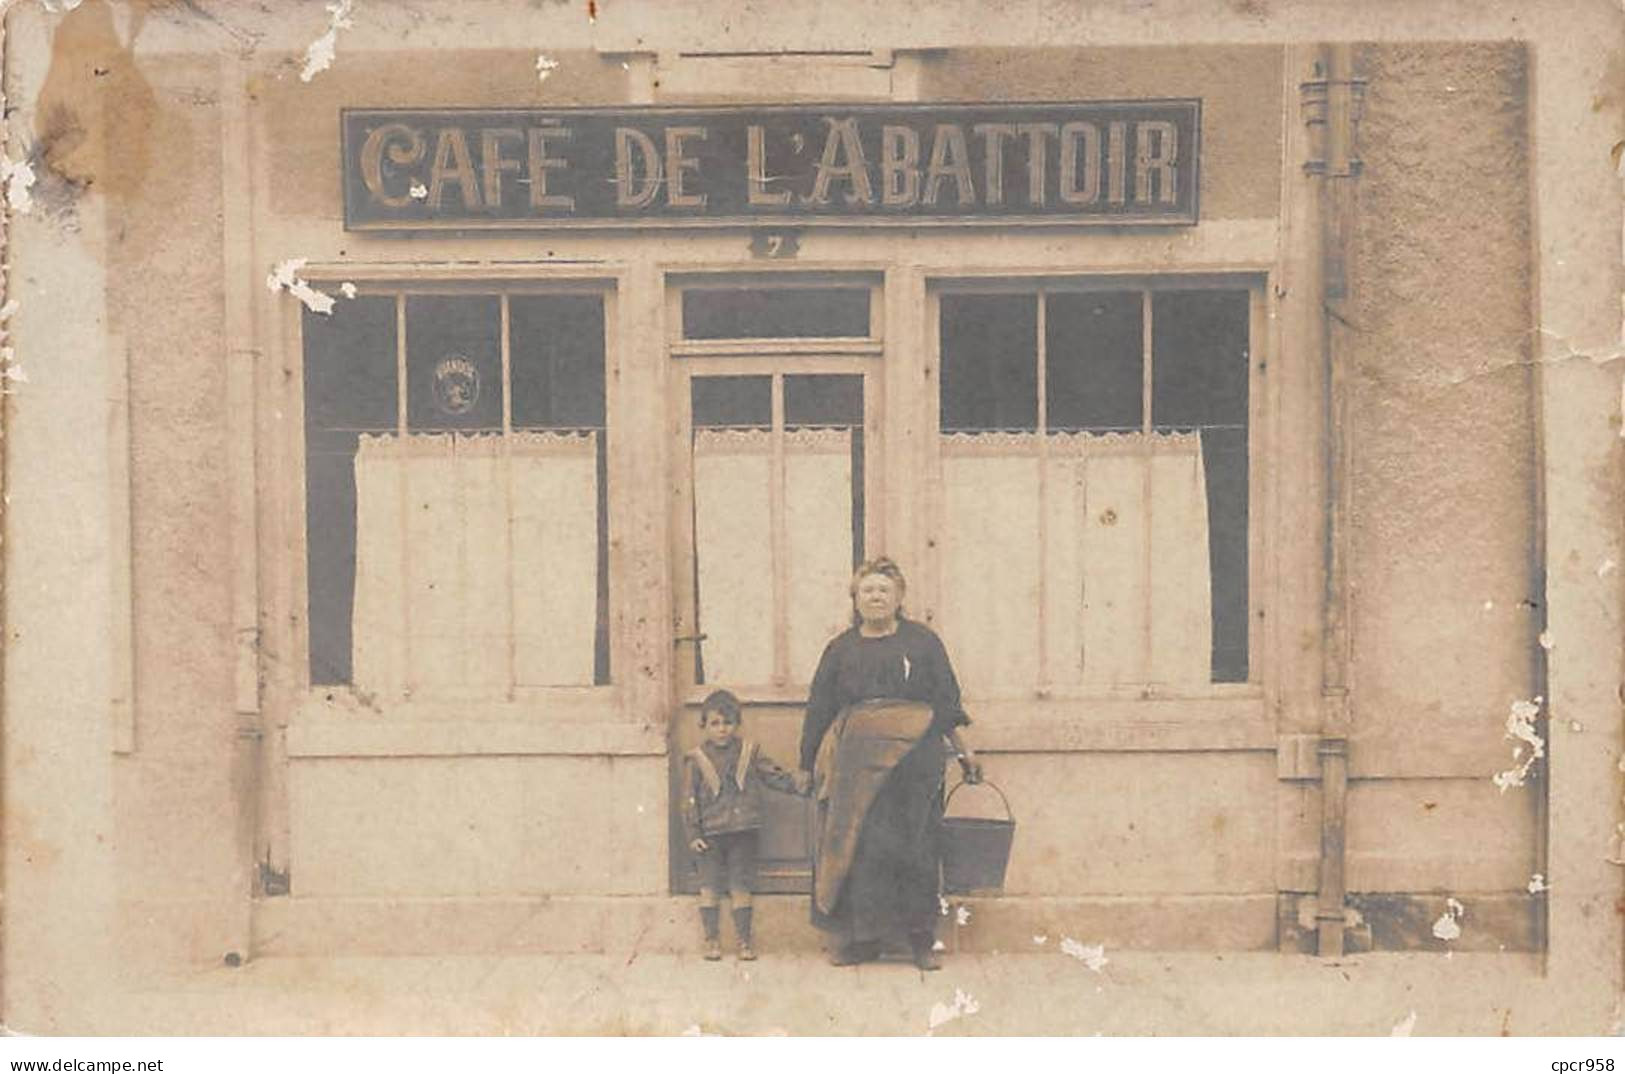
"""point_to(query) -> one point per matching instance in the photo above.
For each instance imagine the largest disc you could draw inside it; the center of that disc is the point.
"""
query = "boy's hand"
(803, 782)
(971, 768)
(699, 846)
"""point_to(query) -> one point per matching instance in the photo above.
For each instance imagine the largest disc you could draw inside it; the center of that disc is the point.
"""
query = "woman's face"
(877, 599)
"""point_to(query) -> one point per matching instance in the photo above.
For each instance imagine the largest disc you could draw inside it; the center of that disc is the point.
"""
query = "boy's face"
(718, 729)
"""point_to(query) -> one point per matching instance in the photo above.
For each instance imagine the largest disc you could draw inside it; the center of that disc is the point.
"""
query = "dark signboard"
(1102, 162)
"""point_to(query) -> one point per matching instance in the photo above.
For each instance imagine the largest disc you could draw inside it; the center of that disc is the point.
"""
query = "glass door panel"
(777, 476)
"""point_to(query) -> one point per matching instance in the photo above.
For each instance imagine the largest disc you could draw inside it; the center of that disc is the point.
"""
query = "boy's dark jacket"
(722, 788)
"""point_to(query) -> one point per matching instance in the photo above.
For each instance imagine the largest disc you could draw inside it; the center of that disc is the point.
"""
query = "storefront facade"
(1194, 386)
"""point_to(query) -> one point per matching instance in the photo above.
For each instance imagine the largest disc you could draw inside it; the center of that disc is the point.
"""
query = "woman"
(884, 705)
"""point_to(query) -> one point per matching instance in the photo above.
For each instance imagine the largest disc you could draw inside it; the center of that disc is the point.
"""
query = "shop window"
(778, 478)
(776, 313)
(1095, 488)
(455, 493)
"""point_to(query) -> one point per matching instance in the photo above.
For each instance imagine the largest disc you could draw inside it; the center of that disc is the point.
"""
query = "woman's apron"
(861, 752)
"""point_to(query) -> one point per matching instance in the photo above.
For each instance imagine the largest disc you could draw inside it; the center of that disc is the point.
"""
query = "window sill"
(569, 723)
(1221, 720)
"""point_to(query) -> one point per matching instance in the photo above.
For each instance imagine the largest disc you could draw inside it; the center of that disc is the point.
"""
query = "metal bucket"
(976, 850)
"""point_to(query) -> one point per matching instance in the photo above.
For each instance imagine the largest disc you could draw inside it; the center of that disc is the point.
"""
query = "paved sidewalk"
(1048, 992)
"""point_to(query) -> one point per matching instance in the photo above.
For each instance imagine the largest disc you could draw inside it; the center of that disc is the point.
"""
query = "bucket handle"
(1008, 815)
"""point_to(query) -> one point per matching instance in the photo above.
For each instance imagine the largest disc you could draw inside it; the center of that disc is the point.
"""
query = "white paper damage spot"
(942, 906)
(1546, 640)
(418, 191)
(1448, 927)
(1489, 605)
(1093, 956)
(285, 276)
(962, 915)
(1403, 1027)
(545, 65)
(14, 373)
(8, 310)
(939, 946)
(18, 175)
(1042, 940)
(60, 7)
(347, 289)
(1537, 884)
(1520, 726)
(1576, 726)
(1606, 567)
(943, 1013)
(319, 56)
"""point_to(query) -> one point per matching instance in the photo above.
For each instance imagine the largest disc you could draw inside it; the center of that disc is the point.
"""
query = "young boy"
(723, 779)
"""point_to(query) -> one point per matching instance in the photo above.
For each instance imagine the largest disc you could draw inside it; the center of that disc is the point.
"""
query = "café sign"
(1095, 163)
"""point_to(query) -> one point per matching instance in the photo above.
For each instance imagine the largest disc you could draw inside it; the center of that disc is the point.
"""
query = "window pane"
(834, 402)
(1200, 371)
(740, 402)
(557, 351)
(349, 389)
(775, 313)
(823, 400)
(453, 363)
(1199, 358)
(1094, 360)
(733, 528)
(556, 348)
(989, 362)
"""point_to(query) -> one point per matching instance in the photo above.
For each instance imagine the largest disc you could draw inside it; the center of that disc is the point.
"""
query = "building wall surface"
(223, 810)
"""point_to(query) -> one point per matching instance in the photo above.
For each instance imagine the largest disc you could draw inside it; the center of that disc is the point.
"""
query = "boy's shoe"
(713, 950)
(747, 953)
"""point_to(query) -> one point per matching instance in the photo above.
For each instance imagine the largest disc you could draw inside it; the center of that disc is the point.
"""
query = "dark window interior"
(989, 362)
(349, 389)
(776, 313)
(557, 351)
(1094, 370)
(445, 333)
(733, 402)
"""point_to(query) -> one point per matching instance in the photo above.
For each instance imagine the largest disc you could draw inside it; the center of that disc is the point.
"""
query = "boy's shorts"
(728, 863)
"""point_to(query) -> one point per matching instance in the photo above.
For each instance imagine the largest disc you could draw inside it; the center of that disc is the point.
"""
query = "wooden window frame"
(1125, 704)
(775, 357)
(505, 712)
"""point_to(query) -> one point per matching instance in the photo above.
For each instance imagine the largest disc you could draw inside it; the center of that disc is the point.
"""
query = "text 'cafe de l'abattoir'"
(1111, 162)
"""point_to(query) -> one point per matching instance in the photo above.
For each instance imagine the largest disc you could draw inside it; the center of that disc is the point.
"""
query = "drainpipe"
(1331, 107)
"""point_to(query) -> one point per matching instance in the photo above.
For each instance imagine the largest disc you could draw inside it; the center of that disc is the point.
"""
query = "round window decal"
(456, 385)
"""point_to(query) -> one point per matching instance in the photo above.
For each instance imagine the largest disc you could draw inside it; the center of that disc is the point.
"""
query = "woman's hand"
(804, 781)
(969, 766)
(699, 846)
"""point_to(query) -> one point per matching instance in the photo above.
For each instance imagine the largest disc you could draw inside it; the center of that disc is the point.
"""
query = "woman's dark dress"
(891, 889)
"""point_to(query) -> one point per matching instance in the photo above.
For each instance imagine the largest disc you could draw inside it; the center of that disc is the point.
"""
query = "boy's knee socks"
(711, 920)
(742, 923)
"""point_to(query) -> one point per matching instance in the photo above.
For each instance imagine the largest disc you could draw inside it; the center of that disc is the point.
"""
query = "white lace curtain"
(733, 522)
(476, 562)
(1123, 580)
